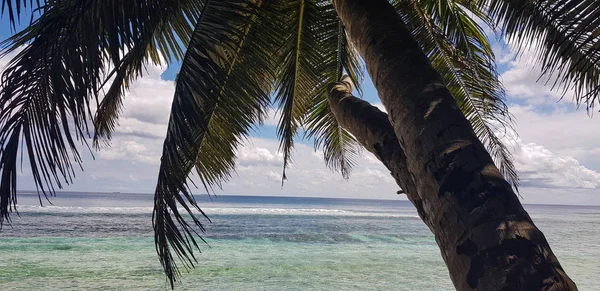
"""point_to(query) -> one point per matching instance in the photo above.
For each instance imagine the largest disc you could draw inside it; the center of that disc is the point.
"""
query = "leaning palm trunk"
(373, 130)
(487, 239)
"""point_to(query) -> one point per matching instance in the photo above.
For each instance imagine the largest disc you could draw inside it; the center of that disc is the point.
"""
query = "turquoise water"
(258, 243)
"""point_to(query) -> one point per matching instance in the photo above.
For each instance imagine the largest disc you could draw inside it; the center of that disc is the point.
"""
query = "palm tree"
(430, 61)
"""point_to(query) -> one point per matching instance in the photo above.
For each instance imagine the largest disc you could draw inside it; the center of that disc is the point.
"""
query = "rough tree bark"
(486, 238)
(374, 132)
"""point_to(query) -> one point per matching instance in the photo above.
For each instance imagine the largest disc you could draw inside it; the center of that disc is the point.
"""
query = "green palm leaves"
(564, 33)
(221, 91)
(315, 54)
(48, 89)
(340, 149)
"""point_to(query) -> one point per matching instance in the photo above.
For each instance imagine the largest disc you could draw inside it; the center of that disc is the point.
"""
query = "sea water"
(92, 241)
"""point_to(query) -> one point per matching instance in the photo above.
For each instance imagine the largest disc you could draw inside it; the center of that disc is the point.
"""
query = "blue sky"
(557, 152)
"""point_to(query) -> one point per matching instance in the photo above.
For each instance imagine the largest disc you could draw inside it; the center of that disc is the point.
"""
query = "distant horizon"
(557, 165)
(401, 196)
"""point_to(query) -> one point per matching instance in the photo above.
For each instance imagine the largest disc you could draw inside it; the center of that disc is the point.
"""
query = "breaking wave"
(215, 211)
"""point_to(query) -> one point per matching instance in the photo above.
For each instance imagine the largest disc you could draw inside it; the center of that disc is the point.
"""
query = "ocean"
(95, 241)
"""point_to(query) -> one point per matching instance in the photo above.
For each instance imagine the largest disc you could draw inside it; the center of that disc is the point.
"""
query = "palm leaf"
(47, 89)
(222, 90)
(298, 75)
(166, 34)
(15, 8)
(460, 52)
(565, 35)
(340, 148)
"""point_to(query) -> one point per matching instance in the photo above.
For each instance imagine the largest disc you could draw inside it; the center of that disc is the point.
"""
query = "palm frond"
(47, 89)
(222, 90)
(460, 52)
(107, 113)
(298, 75)
(340, 148)
(565, 36)
(16, 8)
(166, 34)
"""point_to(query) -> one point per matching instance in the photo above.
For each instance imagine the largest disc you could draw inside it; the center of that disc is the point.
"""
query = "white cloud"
(556, 154)
(252, 155)
(149, 99)
(525, 80)
(564, 132)
(558, 145)
(273, 116)
(130, 164)
(131, 150)
(143, 123)
(6, 59)
(521, 81)
(380, 106)
(260, 169)
(539, 167)
(504, 54)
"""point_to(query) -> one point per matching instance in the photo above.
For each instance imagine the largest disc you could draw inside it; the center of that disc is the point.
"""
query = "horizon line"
(403, 196)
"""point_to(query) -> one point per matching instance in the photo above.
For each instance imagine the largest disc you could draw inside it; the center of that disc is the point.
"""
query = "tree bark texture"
(486, 238)
(371, 127)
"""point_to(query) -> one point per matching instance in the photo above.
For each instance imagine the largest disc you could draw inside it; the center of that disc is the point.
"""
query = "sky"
(557, 150)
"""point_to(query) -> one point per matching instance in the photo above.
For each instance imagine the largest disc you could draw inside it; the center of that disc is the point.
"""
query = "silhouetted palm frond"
(565, 35)
(222, 90)
(340, 148)
(298, 77)
(16, 8)
(49, 87)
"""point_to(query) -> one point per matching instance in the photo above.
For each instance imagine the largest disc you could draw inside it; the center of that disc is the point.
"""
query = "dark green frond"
(565, 35)
(221, 91)
(166, 34)
(16, 8)
(298, 75)
(47, 89)
(109, 108)
(460, 52)
(340, 148)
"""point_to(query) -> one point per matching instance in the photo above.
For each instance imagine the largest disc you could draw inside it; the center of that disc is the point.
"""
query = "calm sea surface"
(91, 241)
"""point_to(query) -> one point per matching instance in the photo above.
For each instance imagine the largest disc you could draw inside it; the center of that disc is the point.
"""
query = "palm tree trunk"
(373, 130)
(487, 239)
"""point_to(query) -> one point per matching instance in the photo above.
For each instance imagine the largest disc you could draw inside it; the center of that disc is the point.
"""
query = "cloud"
(148, 99)
(539, 167)
(556, 153)
(130, 164)
(131, 126)
(260, 169)
(252, 156)
(557, 145)
(273, 116)
(567, 133)
(525, 80)
(522, 80)
(142, 125)
(7, 58)
(131, 150)
(380, 106)
(147, 105)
